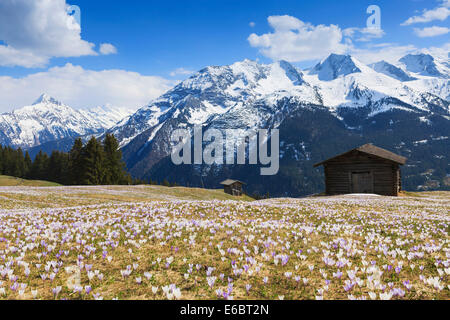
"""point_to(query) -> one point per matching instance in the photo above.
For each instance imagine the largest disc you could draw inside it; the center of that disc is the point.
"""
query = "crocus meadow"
(346, 247)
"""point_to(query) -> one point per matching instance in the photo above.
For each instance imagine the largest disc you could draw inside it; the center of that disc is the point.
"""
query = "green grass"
(7, 181)
(199, 194)
(18, 196)
(200, 233)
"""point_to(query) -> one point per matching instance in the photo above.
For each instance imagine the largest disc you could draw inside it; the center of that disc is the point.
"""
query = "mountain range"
(338, 104)
(48, 121)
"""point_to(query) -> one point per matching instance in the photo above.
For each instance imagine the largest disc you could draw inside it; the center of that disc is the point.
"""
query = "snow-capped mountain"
(391, 71)
(338, 104)
(335, 66)
(339, 98)
(339, 81)
(356, 85)
(216, 91)
(425, 65)
(48, 119)
(107, 116)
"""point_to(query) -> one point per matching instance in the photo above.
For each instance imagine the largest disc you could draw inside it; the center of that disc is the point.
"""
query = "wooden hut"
(367, 169)
(233, 187)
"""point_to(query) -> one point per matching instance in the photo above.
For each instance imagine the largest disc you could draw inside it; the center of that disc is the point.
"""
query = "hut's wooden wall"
(385, 174)
(234, 189)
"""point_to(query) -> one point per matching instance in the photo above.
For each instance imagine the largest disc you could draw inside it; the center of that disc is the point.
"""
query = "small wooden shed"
(367, 169)
(233, 187)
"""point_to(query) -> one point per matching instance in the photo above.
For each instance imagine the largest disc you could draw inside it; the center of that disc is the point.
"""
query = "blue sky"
(165, 40)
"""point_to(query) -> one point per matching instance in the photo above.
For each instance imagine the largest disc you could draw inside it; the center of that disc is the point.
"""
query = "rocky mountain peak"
(334, 66)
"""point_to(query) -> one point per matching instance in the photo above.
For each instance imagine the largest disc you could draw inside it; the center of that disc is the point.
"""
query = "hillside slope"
(7, 181)
(22, 197)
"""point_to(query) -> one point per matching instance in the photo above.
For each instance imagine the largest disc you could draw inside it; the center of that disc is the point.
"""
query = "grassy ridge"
(29, 196)
(7, 181)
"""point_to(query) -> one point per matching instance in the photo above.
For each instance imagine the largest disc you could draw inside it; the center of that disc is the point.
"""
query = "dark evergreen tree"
(114, 167)
(1, 160)
(75, 163)
(39, 168)
(92, 164)
(28, 163)
(19, 162)
(93, 158)
(57, 167)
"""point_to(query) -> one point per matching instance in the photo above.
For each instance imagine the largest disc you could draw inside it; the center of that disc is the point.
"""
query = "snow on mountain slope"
(425, 65)
(435, 86)
(335, 66)
(366, 87)
(417, 71)
(247, 94)
(107, 115)
(391, 70)
(216, 92)
(48, 120)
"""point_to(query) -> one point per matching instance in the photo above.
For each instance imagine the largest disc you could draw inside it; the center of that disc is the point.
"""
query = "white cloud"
(181, 72)
(107, 48)
(387, 52)
(363, 34)
(252, 24)
(431, 31)
(440, 52)
(10, 56)
(35, 31)
(81, 88)
(392, 52)
(439, 13)
(294, 40)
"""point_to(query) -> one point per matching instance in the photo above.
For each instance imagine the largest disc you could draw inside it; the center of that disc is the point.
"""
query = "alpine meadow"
(221, 159)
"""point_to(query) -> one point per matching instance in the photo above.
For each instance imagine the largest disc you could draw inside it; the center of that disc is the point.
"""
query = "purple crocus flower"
(56, 290)
(15, 286)
(349, 287)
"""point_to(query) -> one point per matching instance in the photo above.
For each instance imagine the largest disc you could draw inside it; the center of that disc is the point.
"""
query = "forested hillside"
(95, 163)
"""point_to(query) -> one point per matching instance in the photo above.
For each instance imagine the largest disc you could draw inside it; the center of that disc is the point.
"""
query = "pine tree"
(20, 164)
(114, 167)
(7, 153)
(57, 170)
(12, 163)
(28, 163)
(92, 164)
(1, 160)
(39, 168)
(93, 159)
(75, 165)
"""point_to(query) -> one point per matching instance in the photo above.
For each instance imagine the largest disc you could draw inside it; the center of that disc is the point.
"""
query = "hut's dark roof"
(229, 182)
(372, 150)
